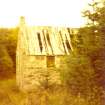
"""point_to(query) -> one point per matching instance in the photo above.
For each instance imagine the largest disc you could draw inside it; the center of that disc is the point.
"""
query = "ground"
(9, 93)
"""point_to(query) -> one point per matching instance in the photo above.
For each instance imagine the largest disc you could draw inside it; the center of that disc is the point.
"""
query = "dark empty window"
(40, 43)
(68, 45)
(50, 61)
(62, 41)
(49, 42)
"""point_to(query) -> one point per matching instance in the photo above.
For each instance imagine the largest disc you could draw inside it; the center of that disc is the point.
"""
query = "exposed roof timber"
(42, 40)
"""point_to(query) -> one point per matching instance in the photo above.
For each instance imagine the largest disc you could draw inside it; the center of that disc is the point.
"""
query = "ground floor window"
(50, 61)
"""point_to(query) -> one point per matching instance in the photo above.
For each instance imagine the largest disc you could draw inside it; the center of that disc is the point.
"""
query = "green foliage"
(6, 64)
(85, 71)
(97, 56)
(8, 39)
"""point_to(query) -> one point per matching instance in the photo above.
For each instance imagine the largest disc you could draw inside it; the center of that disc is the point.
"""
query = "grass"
(11, 95)
(9, 92)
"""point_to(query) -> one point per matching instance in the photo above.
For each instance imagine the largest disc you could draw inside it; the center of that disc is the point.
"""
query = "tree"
(85, 72)
(8, 39)
(97, 20)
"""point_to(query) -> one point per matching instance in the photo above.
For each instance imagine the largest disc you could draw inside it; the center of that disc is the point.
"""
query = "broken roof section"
(45, 40)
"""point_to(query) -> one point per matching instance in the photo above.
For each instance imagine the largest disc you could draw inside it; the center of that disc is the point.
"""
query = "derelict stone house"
(40, 50)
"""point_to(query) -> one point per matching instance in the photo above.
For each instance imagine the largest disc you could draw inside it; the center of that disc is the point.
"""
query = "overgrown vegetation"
(83, 77)
(85, 72)
(8, 40)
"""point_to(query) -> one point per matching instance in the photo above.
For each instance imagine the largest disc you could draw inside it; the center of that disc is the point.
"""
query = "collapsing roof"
(43, 40)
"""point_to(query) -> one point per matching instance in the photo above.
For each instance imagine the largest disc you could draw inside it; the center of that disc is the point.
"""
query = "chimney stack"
(22, 20)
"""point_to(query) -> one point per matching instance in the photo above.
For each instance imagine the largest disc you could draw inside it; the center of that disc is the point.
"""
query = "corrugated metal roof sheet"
(42, 40)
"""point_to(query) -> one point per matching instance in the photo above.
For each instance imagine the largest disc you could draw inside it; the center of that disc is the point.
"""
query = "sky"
(42, 12)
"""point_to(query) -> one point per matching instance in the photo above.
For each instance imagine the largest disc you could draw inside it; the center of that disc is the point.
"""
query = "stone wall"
(34, 73)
